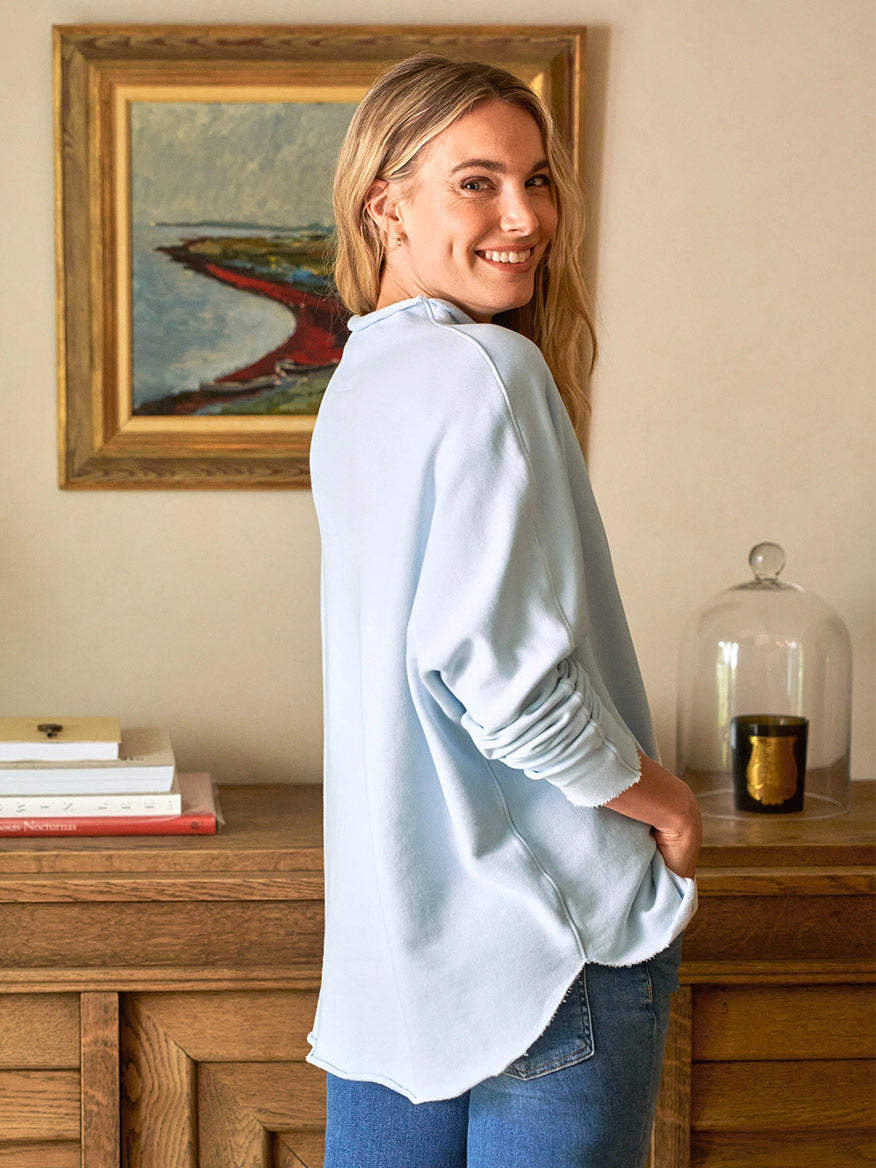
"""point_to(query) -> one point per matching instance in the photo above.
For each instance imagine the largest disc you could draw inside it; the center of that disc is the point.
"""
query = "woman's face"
(474, 218)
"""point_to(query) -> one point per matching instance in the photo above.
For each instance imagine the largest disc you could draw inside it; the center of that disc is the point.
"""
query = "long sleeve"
(499, 623)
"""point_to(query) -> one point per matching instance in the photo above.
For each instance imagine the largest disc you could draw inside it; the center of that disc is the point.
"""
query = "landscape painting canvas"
(233, 310)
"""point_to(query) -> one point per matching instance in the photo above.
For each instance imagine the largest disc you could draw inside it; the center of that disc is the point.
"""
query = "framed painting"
(198, 324)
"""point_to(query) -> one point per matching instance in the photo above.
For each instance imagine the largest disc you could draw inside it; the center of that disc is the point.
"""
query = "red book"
(200, 815)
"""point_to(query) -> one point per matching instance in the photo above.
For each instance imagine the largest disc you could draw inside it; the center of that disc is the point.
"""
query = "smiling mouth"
(507, 257)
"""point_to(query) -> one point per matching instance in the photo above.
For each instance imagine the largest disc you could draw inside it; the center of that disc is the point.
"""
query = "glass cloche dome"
(764, 698)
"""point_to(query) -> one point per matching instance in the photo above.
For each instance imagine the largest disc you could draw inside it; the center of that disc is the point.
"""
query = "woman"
(508, 871)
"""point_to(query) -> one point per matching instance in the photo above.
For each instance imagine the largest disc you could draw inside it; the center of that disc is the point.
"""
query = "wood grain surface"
(179, 976)
(99, 1014)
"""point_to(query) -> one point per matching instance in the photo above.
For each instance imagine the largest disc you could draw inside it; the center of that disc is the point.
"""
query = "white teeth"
(508, 257)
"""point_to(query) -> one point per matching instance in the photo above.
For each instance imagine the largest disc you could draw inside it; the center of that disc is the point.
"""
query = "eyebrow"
(491, 165)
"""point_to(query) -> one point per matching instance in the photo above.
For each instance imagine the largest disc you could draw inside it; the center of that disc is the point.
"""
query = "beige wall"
(730, 178)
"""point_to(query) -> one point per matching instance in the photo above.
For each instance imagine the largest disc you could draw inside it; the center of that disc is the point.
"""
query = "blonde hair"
(409, 105)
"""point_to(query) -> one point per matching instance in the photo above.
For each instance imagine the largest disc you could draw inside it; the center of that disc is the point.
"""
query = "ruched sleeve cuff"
(567, 736)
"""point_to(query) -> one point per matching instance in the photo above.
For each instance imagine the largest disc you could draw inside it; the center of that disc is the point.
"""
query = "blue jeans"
(583, 1096)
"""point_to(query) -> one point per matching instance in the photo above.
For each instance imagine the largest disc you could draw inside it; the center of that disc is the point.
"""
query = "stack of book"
(87, 776)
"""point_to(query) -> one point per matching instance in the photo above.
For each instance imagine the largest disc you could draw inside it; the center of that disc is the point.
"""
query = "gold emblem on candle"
(771, 775)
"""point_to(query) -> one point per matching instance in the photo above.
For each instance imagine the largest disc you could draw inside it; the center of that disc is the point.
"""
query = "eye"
(540, 180)
(475, 184)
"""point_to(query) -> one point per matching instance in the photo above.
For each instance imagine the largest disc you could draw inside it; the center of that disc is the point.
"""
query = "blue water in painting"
(188, 328)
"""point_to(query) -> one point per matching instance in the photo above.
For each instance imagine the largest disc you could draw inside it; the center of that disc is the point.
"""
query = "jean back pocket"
(567, 1040)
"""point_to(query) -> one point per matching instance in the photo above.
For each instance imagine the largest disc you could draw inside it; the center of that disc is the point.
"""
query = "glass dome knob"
(766, 560)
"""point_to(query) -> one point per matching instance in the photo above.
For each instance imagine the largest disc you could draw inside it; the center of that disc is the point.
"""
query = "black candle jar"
(769, 762)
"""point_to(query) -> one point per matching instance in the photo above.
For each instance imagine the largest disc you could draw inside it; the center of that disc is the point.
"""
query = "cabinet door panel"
(227, 1066)
(39, 1081)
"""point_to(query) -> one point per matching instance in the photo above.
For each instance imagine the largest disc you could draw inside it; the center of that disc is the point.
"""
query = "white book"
(59, 739)
(145, 766)
(139, 803)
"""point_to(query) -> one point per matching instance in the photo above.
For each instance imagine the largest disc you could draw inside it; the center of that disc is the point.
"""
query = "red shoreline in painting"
(315, 341)
(318, 339)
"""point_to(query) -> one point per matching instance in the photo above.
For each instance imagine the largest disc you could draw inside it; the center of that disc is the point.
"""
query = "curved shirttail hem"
(360, 1076)
(553, 1000)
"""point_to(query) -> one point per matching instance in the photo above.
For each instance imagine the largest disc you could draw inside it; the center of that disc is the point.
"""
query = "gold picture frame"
(101, 73)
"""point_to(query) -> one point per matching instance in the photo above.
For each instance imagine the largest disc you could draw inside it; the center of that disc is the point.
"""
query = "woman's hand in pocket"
(670, 807)
(680, 847)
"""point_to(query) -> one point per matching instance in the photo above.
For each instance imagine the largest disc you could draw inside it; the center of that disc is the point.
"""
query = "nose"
(518, 215)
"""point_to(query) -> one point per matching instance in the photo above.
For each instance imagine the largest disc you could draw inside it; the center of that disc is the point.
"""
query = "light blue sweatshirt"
(482, 700)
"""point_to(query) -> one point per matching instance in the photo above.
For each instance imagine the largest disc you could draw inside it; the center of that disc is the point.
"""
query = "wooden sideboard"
(770, 1056)
(155, 995)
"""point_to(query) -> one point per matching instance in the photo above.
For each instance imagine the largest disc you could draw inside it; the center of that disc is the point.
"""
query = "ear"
(381, 203)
